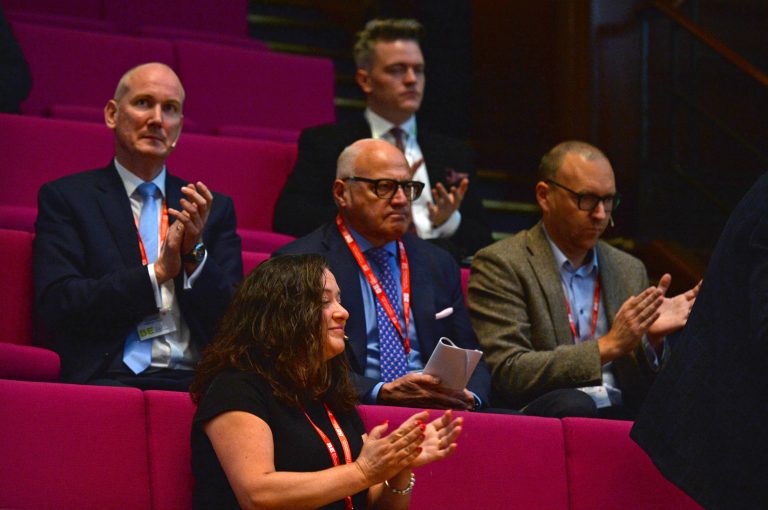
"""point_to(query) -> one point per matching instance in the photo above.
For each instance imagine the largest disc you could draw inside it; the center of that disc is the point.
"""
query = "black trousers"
(573, 403)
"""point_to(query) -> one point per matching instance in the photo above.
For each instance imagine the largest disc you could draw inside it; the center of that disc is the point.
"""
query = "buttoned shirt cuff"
(155, 286)
(190, 280)
(650, 352)
(450, 226)
(373, 396)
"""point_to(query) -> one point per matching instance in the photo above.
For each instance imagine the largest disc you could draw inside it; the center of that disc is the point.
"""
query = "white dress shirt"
(419, 208)
(173, 350)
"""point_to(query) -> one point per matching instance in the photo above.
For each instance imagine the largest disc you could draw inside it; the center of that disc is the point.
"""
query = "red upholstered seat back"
(169, 425)
(263, 241)
(16, 283)
(72, 447)
(251, 259)
(75, 67)
(37, 150)
(606, 469)
(252, 172)
(228, 86)
(224, 17)
(75, 8)
(501, 461)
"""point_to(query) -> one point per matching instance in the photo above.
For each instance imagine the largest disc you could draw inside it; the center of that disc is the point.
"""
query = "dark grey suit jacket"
(306, 201)
(435, 286)
(705, 421)
(517, 308)
(91, 288)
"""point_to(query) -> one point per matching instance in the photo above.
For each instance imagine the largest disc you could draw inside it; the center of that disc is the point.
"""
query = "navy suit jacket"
(435, 286)
(704, 420)
(306, 201)
(91, 288)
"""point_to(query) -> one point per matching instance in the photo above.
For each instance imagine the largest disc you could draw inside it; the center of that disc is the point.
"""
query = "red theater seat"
(18, 358)
(229, 86)
(39, 150)
(169, 424)
(74, 8)
(228, 17)
(67, 446)
(251, 259)
(252, 172)
(74, 67)
(606, 469)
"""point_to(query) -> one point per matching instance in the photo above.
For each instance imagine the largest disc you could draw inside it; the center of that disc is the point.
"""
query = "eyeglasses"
(587, 201)
(387, 188)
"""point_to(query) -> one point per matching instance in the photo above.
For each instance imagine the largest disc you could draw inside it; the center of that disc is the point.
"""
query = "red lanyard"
(595, 307)
(332, 449)
(405, 281)
(163, 233)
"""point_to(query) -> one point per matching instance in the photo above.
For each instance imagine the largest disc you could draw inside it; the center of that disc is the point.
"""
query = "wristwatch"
(196, 255)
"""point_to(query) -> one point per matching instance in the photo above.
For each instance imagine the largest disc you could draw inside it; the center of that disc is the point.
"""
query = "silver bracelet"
(402, 492)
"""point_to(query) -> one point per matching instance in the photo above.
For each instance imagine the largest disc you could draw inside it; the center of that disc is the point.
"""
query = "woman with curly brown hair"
(276, 425)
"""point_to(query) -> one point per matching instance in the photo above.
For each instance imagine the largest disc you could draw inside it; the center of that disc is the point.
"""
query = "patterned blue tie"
(392, 353)
(137, 354)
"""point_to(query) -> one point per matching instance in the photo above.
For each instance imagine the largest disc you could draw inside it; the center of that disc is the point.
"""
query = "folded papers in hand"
(452, 364)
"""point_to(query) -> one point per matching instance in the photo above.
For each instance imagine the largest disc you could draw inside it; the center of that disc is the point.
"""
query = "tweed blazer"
(518, 311)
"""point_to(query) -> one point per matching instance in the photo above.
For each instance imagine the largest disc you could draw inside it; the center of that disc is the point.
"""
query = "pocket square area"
(442, 314)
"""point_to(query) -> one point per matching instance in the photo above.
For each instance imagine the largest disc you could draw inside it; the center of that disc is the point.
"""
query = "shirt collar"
(364, 245)
(587, 268)
(132, 181)
(381, 126)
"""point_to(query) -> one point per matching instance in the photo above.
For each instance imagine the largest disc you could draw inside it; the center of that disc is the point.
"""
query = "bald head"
(552, 161)
(146, 117)
(380, 219)
(123, 86)
(363, 155)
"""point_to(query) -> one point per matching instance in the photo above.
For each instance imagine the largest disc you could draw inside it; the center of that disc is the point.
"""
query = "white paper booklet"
(452, 364)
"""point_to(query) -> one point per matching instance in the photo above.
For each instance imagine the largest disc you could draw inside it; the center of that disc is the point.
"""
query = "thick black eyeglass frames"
(386, 188)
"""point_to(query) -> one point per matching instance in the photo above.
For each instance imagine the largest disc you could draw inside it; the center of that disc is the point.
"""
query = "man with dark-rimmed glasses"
(377, 262)
(569, 324)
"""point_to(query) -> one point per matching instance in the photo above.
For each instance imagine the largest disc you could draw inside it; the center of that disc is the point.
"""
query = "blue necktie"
(391, 351)
(137, 354)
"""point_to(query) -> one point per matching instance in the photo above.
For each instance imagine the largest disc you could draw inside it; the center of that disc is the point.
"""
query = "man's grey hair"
(552, 161)
(383, 30)
(345, 165)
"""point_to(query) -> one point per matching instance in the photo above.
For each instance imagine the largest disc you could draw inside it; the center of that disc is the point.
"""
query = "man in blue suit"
(133, 266)
(369, 248)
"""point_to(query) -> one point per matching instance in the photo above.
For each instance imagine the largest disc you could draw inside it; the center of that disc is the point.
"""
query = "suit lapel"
(173, 194)
(432, 157)
(545, 268)
(612, 284)
(422, 297)
(115, 207)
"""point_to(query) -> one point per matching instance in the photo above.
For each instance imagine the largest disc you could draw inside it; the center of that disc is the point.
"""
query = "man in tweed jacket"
(599, 359)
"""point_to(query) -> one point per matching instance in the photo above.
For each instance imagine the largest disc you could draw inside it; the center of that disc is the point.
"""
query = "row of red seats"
(229, 90)
(79, 447)
(35, 150)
